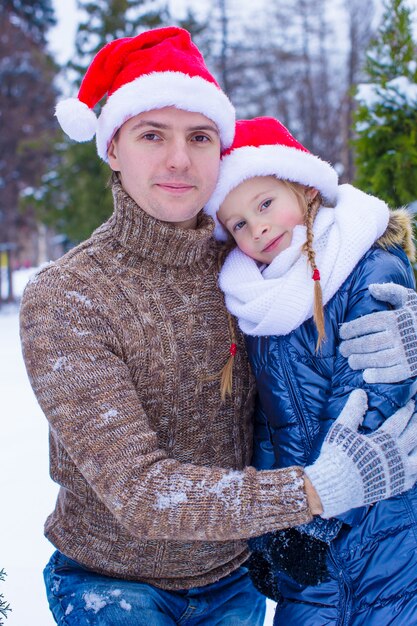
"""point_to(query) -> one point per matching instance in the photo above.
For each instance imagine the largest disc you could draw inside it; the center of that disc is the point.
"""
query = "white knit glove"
(384, 344)
(355, 470)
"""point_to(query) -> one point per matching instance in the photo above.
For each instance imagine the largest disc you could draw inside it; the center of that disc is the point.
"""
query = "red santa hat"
(264, 147)
(156, 69)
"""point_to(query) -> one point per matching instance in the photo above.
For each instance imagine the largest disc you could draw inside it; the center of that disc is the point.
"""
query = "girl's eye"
(266, 204)
(239, 225)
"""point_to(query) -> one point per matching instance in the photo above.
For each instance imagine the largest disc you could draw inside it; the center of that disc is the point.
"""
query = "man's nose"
(178, 155)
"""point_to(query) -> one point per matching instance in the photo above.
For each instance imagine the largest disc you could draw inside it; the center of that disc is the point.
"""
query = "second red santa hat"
(264, 147)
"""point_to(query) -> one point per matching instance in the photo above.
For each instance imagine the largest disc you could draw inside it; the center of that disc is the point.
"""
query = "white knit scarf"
(280, 298)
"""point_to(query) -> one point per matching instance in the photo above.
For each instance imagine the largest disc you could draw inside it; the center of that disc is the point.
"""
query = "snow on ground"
(27, 492)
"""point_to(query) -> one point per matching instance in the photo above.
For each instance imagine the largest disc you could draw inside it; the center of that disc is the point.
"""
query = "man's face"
(168, 161)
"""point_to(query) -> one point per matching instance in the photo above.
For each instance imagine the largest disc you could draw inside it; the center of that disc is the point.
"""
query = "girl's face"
(261, 214)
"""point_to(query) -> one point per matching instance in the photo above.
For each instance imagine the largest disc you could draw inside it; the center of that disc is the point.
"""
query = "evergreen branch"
(4, 606)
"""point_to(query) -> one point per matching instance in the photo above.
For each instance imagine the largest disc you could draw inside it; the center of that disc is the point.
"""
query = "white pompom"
(76, 119)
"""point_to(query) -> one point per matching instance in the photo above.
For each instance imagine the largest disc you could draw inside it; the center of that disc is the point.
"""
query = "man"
(124, 339)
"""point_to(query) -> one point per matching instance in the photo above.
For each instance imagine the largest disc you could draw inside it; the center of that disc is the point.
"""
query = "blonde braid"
(318, 312)
(226, 374)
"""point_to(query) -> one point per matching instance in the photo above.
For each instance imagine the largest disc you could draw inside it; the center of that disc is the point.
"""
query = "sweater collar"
(141, 236)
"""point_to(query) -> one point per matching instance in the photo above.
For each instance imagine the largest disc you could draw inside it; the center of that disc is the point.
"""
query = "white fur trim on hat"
(164, 89)
(76, 119)
(271, 160)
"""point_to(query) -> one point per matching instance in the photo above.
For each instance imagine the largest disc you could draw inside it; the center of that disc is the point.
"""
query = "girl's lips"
(272, 244)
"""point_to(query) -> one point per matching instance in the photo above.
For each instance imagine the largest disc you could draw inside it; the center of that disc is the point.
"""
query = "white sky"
(62, 36)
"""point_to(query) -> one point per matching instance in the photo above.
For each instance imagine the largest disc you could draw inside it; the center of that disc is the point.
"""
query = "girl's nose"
(259, 230)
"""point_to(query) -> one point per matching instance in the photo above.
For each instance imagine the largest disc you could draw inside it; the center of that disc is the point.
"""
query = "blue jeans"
(78, 596)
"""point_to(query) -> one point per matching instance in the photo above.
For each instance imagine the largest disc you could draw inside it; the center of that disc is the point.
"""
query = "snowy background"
(27, 492)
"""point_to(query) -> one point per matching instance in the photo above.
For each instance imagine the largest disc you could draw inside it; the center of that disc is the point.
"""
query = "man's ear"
(112, 153)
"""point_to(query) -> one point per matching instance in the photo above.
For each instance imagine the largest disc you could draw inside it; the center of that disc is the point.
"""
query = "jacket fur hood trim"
(399, 232)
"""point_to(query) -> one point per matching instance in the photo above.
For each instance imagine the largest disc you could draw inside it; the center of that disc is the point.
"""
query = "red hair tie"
(233, 349)
(316, 274)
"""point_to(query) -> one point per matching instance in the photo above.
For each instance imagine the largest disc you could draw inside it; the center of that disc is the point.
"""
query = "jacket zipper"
(293, 392)
(345, 589)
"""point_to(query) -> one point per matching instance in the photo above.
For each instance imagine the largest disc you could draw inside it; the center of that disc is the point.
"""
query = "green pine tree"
(386, 117)
(106, 20)
(73, 197)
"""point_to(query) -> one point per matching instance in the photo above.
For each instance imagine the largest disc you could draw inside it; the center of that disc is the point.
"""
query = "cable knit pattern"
(122, 339)
(280, 298)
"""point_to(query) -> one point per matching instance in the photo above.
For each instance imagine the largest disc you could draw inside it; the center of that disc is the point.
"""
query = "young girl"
(307, 251)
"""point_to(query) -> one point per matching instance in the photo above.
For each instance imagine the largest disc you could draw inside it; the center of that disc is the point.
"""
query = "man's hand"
(354, 470)
(384, 344)
(313, 498)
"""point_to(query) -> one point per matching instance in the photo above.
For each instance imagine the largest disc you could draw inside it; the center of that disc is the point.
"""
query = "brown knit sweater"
(122, 339)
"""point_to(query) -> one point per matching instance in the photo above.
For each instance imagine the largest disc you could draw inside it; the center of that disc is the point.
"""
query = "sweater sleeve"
(78, 371)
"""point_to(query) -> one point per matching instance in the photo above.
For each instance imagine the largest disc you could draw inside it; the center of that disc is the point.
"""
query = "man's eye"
(201, 138)
(151, 137)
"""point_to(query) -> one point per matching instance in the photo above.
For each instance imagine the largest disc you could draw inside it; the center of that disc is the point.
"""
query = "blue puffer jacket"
(372, 561)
